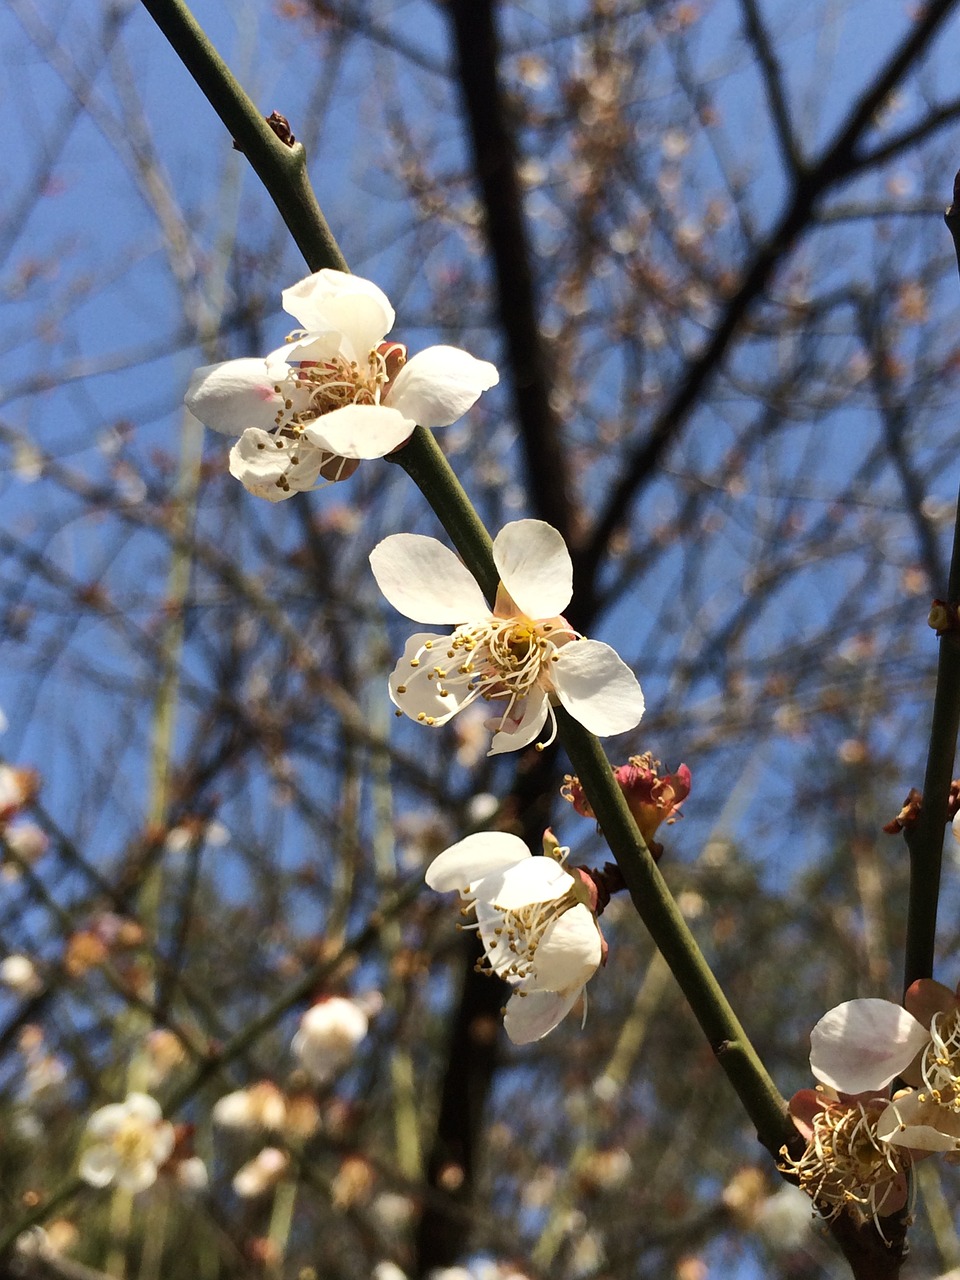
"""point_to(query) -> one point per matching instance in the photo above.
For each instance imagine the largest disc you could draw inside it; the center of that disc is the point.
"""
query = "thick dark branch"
(773, 84)
(494, 159)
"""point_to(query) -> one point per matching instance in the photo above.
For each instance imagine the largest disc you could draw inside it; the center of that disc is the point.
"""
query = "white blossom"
(521, 653)
(130, 1141)
(261, 1173)
(329, 1034)
(20, 975)
(334, 393)
(862, 1045)
(260, 1106)
(536, 922)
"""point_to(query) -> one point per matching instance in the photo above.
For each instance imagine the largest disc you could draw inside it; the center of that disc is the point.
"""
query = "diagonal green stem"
(281, 168)
(659, 912)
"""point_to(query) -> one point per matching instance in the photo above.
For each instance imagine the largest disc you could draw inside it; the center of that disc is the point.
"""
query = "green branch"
(281, 167)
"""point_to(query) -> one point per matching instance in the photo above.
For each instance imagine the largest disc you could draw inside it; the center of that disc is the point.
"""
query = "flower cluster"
(335, 393)
(860, 1142)
(866, 1044)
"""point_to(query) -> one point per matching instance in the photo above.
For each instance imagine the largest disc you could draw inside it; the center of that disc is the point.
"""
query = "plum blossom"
(329, 1034)
(522, 653)
(652, 799)
(261, 1173)
(18, 788)
(537, 923)
(334, 393)
(865, 1044)
(20, 975)
(130, 1140)
(260, 1106)
(846, 1166)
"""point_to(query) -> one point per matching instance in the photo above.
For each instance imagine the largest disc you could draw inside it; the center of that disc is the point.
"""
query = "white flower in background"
(18, 787)
(388, 1271)
(23, 843)
(19, 974)
(335, 393)
(191, 1174)
(260, 1106)
(537, 923)
(522, 653)
(261, 1173)
(329, 1034)
(130, 1141)
(783, 1220)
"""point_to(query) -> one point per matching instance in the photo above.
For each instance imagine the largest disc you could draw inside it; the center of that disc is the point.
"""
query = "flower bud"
(652, 799)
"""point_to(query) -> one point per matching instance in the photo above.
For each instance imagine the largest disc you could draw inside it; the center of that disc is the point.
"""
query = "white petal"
(312, 348)
(597, 687)
(535, 567)
(473, 858)
(137, 1177)
(516, 734)
(360, 431)
(105, 1122)
(163, 1143)
(99, 1165)
(437, 386)
(531, 1017)
(923, 1126)
(143, 1107)
(863, 1044)
(425, 581)
(233, 395)
(569, 952)
(355, 307)
(532, 880)
(261, 461)
(419, 696)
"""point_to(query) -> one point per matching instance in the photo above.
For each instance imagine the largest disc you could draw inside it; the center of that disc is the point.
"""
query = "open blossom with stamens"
(334, 393)
(537, 922)
(846, 1165)
(865, 1044)
(521, 654)
(130, 1141)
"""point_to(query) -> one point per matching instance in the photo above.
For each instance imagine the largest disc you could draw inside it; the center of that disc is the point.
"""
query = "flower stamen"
(846, 1166)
